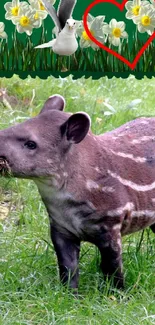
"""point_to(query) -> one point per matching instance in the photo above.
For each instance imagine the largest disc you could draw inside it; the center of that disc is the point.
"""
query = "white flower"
(25, 22)
(146, 19)
(2, 33)
(13, 8)
(133, 8)
(95, 25)
(40, 11)
(115, 31)
(51, 2)
(153, 3)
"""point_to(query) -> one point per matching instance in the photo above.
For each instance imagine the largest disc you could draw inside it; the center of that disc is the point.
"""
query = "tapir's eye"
(30, 145)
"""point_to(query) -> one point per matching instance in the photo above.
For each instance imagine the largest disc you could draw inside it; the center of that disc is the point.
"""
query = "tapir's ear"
(56, 102)
(76, 127)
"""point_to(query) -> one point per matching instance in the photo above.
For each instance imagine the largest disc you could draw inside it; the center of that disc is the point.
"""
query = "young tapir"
(95, 188)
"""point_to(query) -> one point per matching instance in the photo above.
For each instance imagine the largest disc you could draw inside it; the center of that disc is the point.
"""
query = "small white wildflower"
(95, 25)
(153, 3)
(115, 31)
(2, 32)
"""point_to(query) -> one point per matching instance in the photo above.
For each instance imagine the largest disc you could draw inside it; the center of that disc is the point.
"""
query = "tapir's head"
(36, 147)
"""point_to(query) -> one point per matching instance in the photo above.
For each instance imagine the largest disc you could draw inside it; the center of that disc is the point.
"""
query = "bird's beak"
(70, 27)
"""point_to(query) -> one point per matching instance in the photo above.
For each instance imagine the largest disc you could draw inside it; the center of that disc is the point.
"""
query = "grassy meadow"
(30, 292)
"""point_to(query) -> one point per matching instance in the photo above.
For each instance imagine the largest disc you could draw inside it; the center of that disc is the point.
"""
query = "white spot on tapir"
(65, 174)
(97, 169)
(144, 122)
(108, 189)
(141, 213)
(91, 185)
(117, 227)
(92, 206)
(130, 156)
(118, 136)
(119, 242)
(143, 139)
(57, 176)
(121, 134)
(62, 165)
(134, 186)
(128, 207)
(55, 182)
(49, 161)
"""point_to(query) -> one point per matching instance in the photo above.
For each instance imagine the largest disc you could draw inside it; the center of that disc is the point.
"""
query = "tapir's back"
(131, 173)
(132, 147)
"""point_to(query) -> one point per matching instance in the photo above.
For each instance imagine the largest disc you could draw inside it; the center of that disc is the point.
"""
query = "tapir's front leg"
(111, 256)
(67, 251)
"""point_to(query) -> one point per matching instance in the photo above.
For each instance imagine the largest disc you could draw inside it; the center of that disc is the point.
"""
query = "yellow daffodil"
(95, 25)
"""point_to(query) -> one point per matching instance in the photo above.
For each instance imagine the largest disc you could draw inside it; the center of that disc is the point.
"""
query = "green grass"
(21, 56)
(30, 292)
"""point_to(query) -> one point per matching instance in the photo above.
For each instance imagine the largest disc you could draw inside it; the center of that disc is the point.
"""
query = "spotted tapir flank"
(95, 188)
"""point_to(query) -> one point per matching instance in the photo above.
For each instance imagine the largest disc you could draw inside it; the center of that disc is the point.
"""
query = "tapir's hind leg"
(153, 227)
(110, 246)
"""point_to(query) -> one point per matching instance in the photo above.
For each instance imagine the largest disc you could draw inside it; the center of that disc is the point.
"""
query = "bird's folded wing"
(65, 10)
(52, 12)
(49, 44)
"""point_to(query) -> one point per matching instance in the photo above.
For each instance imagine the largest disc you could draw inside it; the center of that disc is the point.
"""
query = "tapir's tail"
(49, 44)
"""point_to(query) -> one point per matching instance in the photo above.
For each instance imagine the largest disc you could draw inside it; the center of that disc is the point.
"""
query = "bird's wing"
(49, 44)
(65, 10)
(52, 12)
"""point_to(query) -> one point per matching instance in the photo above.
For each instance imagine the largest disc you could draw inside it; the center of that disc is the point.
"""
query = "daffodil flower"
(153, 3)
(133, 8)
(2, 32)
(95, 25)
(13, 8)
(115, 31)
(146, 20)
(40, 11)
(26, 21)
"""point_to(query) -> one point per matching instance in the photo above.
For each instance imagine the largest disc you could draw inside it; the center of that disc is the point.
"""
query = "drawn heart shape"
(120, 6)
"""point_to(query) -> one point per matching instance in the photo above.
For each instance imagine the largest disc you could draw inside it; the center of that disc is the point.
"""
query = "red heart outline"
(117, 55)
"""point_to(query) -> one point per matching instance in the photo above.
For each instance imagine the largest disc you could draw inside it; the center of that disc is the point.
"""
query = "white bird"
(65, 42)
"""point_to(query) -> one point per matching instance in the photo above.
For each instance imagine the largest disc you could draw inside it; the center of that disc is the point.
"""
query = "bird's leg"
(59, 62)
(69, 63)
(63, 64)
(75, 60)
